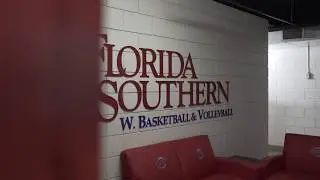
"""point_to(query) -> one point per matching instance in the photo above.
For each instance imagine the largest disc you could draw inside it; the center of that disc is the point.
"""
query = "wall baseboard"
(275, 148)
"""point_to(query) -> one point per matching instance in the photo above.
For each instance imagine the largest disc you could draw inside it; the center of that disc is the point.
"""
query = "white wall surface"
(225, 44)
(294, 100)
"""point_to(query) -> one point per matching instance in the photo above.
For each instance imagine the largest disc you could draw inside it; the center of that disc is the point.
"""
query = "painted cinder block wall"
(225, 44)
(294, 100)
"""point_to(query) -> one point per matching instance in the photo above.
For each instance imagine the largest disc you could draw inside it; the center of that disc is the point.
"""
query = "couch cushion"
(302, 153)
(196, 157)
(222, 177)
(287, 175)
(156, 162)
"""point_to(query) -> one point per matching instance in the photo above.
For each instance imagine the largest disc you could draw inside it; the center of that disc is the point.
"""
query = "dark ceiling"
(281, 13)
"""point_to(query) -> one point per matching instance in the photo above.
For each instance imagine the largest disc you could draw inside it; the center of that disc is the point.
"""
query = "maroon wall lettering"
(157, 66)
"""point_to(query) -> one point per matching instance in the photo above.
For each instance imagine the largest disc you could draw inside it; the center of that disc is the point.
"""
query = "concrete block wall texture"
(294, 100)
(225, 44)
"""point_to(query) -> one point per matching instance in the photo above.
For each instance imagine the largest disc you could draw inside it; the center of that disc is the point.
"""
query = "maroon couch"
(300, 160)
(185, 159)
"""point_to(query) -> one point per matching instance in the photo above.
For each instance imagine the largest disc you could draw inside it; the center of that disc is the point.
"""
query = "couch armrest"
(240, 168)
(125, 169)
(270, 165)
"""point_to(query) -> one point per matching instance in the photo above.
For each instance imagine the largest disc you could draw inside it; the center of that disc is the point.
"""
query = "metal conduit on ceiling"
(281, 14)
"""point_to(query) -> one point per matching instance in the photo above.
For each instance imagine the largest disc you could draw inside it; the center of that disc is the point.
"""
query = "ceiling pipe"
(253, 11)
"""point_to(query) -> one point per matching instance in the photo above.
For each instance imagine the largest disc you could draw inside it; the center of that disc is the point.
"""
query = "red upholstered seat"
(155, 162)
(300, 160)
(302, 153)
(185, 159)
(287, 175)
(196, 157)
(222, 177)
